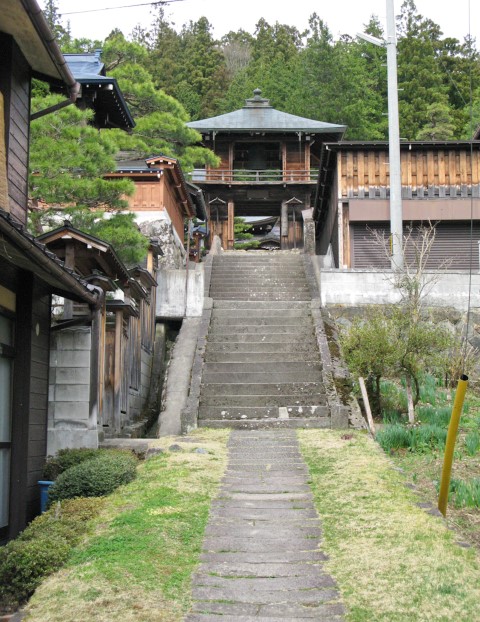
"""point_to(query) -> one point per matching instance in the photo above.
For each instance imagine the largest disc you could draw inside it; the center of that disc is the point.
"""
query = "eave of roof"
(42, 262)
(25, 22)
(404, 145)
(69, 232)
(89, 72)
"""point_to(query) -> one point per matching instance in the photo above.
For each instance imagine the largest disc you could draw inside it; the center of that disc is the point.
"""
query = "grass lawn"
(146, 543)
(392, 561)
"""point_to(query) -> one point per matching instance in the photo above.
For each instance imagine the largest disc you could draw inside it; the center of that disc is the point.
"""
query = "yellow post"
(450, 444)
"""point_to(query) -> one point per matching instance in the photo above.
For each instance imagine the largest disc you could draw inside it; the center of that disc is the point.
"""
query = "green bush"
(96, 477)
(42, 548)
(67, 458)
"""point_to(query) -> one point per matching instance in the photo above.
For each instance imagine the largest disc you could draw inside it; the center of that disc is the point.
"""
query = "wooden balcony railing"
(229, 176)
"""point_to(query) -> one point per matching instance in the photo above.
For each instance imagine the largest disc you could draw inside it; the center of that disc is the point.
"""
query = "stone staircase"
(262, 367)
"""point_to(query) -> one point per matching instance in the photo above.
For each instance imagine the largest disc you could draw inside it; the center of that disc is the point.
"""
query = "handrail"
(253, 176)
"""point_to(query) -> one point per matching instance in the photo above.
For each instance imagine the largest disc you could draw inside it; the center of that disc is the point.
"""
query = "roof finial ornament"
(257, 101)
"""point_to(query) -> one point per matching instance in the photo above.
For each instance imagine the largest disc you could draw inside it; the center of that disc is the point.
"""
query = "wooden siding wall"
(146, 196)
(297, 157)
(425, 174)
(15, 86)
(30, 397)
(173, 210)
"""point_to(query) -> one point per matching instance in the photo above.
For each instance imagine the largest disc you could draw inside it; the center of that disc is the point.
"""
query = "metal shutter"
(452, 243)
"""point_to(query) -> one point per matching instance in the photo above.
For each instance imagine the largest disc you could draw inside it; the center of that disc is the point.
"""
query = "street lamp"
(396, 219)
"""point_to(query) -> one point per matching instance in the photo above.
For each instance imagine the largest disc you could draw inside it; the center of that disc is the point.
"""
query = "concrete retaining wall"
(171, 292)
(71, 422)
(364, 287)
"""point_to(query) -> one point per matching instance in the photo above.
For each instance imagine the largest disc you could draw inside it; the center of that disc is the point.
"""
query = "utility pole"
(396, 217)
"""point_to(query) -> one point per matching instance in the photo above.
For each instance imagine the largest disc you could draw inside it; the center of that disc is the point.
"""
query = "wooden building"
(100, 364)
(161, 193)
(29, 274)
(440, 185)
(269, 166)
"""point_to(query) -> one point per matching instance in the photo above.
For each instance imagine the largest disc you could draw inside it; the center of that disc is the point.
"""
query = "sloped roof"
(21, 249)
(101, 92)
(86, 64)
(25, 22)
(258, 116)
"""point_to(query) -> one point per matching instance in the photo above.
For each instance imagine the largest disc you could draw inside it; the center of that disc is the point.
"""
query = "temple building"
(269, 167)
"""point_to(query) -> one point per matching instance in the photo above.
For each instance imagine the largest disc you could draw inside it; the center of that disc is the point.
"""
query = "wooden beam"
(231, 228)
(117, 379)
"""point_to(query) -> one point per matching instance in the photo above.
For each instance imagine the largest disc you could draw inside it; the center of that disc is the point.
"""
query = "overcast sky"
(342, 16)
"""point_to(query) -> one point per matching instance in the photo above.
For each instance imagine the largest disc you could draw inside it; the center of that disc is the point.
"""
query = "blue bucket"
(44, 486)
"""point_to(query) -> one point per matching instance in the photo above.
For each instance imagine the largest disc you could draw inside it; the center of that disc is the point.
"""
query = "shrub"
(95, 478)
(42, 548)
(67, 458)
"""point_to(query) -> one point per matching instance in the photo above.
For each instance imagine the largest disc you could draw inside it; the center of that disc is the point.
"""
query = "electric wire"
(124, 6)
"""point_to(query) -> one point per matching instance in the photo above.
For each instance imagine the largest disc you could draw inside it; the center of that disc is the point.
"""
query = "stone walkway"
(261, 559)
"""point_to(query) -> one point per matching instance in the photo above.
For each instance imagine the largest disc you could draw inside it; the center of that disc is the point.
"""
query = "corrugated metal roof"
(258, 115)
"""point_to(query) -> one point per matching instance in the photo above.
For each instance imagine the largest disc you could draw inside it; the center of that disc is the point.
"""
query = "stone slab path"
(261, 558)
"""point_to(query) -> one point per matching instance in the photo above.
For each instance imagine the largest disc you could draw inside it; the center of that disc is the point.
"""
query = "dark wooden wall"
(30, 395)
(15, 86)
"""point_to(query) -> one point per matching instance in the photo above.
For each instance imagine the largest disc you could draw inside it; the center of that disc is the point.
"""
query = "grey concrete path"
(262, 558)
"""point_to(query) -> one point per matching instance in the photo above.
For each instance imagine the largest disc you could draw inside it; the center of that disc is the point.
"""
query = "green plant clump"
(96, 477)
(419, 439)
(42, 548)
(439, 416)
(392, 437)
(67, 458)
(472, 442)
(466, 493)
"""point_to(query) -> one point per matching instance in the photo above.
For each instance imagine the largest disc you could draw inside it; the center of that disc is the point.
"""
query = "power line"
(124, 6)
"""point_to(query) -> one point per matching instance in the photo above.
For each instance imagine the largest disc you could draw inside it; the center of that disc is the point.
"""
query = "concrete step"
(217, 291)
(258, 304)
(247, 276)
(291, 337)
(261, 285)
(266, 424)
(261, 368)
(266, 321)
(244, 401)
(266, 314)
(258, 357)
(262, 347)
(261, 377)
(305, 332)
(260, 295)
(264, 386)
(262, 412)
